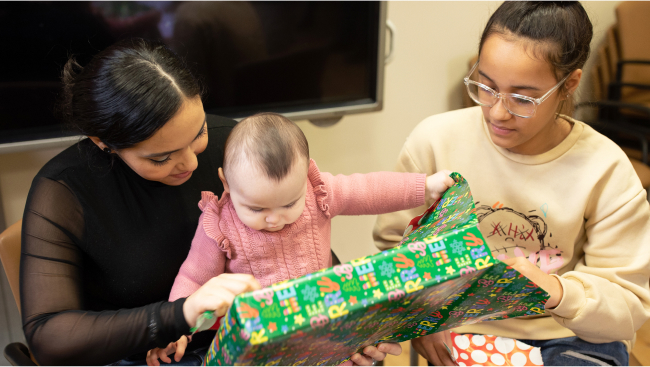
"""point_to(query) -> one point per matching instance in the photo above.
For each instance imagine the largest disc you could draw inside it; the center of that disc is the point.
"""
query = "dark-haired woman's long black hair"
(561, 29)
(126, 92)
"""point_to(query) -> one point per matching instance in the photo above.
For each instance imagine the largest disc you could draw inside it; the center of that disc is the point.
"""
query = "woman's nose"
(499, 111)
(188, 161)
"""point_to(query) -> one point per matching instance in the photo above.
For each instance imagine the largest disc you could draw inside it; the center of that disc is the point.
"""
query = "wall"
(434, 43)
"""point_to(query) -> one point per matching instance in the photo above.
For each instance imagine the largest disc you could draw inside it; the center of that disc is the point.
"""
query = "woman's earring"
(107, 150)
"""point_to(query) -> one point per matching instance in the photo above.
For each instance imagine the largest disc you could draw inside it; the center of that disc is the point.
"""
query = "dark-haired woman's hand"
(217, 295)
(177, 348)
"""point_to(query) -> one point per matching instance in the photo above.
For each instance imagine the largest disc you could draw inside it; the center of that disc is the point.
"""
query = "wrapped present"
(441, 276)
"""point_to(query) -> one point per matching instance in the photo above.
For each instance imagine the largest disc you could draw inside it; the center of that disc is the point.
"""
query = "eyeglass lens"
(519, 106)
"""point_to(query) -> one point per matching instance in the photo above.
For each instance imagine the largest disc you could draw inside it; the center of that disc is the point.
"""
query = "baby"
(274, 218)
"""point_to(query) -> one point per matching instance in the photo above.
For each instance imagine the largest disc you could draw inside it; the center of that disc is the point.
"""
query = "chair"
(16, 353)
(621, 78)
(633, 66)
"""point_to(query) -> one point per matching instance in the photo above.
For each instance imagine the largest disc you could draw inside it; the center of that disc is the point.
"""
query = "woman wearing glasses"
(554, 198)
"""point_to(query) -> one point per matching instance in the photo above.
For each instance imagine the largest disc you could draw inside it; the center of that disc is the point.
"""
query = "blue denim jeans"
(191, 358)
(574, 351)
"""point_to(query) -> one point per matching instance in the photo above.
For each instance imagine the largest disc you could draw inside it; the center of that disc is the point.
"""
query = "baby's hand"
(437, 184)
(163, 353)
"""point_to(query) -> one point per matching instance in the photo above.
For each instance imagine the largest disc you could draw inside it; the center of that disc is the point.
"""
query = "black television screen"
(304, 59)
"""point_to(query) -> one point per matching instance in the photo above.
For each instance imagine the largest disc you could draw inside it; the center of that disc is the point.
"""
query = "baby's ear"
(222, 177)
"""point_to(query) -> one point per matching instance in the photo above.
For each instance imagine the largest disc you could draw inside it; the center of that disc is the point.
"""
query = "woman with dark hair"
(556, 200)
(109, 221)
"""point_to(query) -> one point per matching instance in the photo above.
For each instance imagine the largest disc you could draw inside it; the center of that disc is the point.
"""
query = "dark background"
(250, 56)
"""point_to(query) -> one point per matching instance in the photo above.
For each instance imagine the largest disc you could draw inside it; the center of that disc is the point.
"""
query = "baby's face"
(265, 204)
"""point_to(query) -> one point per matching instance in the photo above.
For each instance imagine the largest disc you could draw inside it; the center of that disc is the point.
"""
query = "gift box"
(441, 276)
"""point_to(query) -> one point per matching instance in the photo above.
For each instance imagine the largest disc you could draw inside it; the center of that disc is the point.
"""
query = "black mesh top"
(101, 247)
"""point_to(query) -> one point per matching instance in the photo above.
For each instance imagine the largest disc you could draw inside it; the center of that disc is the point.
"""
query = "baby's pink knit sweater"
(223, 244)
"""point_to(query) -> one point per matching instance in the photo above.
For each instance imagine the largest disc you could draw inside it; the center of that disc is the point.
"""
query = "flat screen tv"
(307, 60)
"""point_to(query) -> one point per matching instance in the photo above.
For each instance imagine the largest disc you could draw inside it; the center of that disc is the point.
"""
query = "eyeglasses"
(516, 104)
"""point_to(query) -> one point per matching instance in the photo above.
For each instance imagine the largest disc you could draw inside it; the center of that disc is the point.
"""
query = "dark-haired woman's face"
(169, 156)
(510, 66)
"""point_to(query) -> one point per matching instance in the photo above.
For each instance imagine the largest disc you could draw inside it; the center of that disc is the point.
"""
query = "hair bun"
(70, 71)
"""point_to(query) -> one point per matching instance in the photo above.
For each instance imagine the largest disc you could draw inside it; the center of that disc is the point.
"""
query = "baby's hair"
(269, 141)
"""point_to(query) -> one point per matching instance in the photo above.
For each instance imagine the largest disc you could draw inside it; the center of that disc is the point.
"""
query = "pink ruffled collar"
(212, 206)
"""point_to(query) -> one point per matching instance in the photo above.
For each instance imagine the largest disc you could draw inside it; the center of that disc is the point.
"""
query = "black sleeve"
(58, 329)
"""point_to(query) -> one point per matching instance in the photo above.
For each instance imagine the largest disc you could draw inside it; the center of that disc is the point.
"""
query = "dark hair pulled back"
(561, 30)
(126, 92)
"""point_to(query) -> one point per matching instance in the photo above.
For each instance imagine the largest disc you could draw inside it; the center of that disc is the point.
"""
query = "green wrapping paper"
(441, 276)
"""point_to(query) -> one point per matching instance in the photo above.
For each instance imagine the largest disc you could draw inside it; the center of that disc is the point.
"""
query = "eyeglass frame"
(497, 95)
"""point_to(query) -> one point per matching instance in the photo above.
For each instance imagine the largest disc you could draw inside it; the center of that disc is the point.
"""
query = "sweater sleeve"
(609, 284)
(389, 227)
(205, 260)
(373, 193)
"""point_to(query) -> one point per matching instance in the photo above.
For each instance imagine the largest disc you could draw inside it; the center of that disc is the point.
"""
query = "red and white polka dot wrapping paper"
(490, 350)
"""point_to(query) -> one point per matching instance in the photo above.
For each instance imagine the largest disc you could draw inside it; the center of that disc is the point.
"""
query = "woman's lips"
(182, 175)
(500, 130)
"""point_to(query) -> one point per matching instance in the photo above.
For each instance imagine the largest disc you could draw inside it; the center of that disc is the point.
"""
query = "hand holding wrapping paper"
(441, 276)
(549, 283)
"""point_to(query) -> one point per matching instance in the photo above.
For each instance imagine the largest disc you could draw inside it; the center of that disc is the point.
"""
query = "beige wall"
(434, 42)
